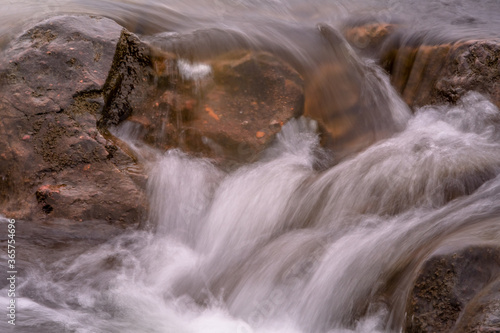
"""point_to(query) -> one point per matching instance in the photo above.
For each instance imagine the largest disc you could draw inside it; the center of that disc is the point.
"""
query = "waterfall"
(301, 240)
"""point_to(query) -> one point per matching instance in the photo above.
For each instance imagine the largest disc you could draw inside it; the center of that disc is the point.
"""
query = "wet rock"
(430, 73)
(132, 68)
(482, 314)
(54, 162)
(457, 292)
(474, 65)
(333, 98)
(250, 96)
(58, 59)
(228, 107)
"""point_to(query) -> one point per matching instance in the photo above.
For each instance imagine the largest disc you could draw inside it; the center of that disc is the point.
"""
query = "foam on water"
(195, 71)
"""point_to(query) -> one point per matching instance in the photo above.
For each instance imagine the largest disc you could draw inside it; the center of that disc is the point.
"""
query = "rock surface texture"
(457, 292)
(54, 162)
(69, 81)
(434, 74)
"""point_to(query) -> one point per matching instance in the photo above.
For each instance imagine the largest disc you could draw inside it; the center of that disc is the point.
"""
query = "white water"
(285, 244)
(277, 246)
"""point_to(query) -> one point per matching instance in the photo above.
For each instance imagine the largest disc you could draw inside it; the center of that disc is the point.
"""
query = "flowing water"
(291, 242)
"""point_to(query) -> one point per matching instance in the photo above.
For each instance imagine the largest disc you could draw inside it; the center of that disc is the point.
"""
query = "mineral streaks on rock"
(442, 73)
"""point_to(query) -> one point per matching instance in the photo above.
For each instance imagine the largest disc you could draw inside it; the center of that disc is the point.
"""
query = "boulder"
(246, 101)
(434, 73)
(457, 292)
(472, 65)
(54, 162)
(69, 81)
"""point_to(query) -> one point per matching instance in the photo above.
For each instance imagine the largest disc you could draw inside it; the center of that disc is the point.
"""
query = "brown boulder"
(54, 162)
(251, 96)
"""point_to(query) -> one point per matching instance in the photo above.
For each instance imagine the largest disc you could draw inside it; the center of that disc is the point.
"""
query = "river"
(290, 243)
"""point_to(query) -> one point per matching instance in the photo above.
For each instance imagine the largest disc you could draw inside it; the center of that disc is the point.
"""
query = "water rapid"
(279, 246)
(300, 240)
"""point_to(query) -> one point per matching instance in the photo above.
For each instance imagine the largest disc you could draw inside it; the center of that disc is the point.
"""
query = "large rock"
(457, 292)
(69, 79)
(433, 73)
(54, 162)
(427, 68)
(228, 107)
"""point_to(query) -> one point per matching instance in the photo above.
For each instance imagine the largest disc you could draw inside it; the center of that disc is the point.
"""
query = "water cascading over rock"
(212, 174)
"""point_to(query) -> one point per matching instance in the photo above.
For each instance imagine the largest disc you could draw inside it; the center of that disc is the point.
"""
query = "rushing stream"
(292, 242)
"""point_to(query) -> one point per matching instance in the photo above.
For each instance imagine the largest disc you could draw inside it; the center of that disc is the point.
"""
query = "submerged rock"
(54, 162)
(350, 99)
(368, 37)
(457, 292)
(482, 314)
(228, 107)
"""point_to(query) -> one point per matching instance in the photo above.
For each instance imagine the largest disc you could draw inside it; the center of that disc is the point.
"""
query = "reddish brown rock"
(251, 96)
(333, 99)
(414, 71)
(368, 37)
(228, 107)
